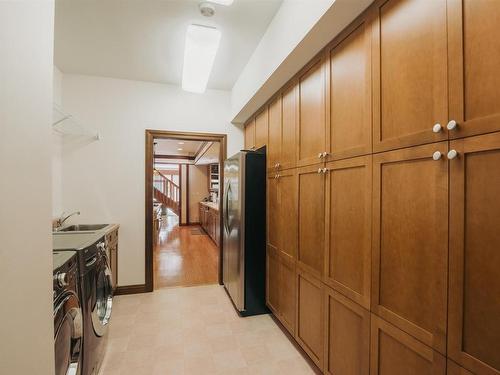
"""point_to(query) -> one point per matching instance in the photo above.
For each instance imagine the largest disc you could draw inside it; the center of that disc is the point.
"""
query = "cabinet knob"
(320, 155)
(452, 154)
(325, 170)
(320, 170)
(452, 125)
(437, 128)
(324, 154)
(437, 155)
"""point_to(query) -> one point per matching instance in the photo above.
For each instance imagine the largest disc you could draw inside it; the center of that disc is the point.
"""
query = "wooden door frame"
(148, 201)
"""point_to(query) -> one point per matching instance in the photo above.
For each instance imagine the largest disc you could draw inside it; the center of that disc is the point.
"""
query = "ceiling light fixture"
(222, 2)
(179, 149)
(202, 43)
(180, 143)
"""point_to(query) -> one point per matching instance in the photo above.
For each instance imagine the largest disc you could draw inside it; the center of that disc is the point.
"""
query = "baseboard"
(130, 289)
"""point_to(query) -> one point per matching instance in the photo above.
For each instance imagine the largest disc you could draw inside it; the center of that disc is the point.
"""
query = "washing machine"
(68, 316)
(97, 302)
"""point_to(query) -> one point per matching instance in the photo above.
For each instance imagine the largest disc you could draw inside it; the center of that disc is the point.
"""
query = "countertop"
(79, 240)
(212, 205)
(59, 258)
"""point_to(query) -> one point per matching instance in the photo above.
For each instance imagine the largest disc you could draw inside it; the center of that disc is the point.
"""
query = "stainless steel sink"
(83, 228)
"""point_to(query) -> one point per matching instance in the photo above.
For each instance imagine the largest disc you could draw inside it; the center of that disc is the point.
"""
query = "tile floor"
(195, 330)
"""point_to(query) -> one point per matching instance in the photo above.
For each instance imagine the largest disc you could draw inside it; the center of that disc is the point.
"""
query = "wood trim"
(180, 195)
(130, 289)
(150, 135)
(187, 194)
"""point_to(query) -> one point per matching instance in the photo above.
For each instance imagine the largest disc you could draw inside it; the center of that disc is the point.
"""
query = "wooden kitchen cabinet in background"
(349, 107)
(410, 241)
(210, 222)
(347, 336)
(474, 300)
(410, 81)
(394, 352)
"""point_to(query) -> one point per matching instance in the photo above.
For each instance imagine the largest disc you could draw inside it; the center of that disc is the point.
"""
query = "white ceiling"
(211, 155)
(171, 147)
(144, 39)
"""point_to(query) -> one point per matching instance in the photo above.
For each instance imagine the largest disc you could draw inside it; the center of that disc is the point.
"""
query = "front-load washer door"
(68, 327)
(103, 302)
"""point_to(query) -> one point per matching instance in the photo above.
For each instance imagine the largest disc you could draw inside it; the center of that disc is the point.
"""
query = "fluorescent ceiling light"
(179, 149)
(202, 43)
(222, 2)
(180, 143)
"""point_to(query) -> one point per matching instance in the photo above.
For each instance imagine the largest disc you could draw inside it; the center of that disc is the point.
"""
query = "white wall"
(57, 151)
(26, 331)
(105, 179)
(299, 30)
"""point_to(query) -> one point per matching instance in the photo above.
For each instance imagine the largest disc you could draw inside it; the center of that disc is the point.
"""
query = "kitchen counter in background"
(210, 220)
(212, 205)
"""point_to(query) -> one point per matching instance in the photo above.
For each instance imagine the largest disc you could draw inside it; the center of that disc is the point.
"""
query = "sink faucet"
(63, 218)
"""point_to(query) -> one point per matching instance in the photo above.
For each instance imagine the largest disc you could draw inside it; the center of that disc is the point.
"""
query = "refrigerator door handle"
(226, 207)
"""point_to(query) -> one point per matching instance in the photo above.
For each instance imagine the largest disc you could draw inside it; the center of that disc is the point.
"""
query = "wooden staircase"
(166, 192)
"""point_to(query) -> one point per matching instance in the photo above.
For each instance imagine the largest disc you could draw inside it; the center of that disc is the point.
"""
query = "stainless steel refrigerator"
(244, 228)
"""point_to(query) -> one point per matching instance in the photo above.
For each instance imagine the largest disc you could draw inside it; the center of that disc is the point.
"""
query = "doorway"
(178, 238)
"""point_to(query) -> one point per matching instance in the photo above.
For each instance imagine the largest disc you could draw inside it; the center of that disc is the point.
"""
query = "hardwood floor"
(183, 258)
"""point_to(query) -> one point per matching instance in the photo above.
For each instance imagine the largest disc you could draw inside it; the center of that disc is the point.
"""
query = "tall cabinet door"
(288, 207)
(274, 139)
(474, 301)
(347, 336)
(394, 352)
(273, 230)
(310, 322)
(312, 124)
(409, 73)
(474, 48)
(348, 228)
(410, 241)
(290, 110)
(311, 223)
(349, 114)
(250, 134)
(261, 128)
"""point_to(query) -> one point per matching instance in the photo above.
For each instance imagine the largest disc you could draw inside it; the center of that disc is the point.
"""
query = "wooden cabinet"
(349, 107)
(347, 336)
(274, 140)
(410, 241)
(312, 122)
(210, 222)
(393, 352)
(282, 244)
(310, 322)
(348, 227)
(410, 73)
(273, 281)
(474, 302)
(474, 60)
(261, 128)
(250, 135)
(290, 117)
(454, 369)
(311, 219)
